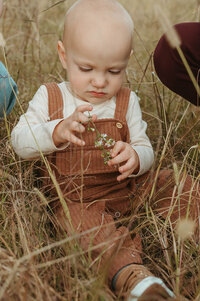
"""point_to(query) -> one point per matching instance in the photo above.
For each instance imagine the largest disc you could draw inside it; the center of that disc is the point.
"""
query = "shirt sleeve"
(138, 138)
(33, 133)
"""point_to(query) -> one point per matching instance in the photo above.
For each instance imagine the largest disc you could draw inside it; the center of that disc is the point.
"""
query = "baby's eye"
(85, 69)
(115, 71)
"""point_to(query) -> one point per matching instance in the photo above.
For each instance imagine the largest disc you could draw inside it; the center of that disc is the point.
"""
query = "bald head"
(96, 48)
(98, 17)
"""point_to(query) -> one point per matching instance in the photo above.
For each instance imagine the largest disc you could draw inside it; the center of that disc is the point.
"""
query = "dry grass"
(38, 263)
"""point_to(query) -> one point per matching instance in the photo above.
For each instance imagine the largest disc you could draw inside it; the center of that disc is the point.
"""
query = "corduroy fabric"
(113, 246)
(80, 171)
(177, 201)
(55, 98)
(94, 204)
(171, 200)
(102, 195)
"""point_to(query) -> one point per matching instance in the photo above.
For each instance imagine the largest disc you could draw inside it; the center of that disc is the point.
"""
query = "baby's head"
(97, 43)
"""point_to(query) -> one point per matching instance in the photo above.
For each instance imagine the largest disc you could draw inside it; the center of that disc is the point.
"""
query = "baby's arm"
(137, 157)
(33, 133)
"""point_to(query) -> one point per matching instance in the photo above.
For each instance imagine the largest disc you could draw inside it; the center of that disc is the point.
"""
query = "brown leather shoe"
(129, 277)
(132, 280)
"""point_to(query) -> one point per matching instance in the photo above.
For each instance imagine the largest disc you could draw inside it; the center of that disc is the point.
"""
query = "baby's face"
(96, 64)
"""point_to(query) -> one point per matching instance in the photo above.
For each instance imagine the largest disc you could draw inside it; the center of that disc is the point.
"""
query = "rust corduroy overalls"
(94, 197)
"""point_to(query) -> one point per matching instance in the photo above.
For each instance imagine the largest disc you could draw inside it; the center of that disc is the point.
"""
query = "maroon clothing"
(169, 66)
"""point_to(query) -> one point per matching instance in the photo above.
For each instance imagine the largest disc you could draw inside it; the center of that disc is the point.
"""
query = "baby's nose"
(99, 81)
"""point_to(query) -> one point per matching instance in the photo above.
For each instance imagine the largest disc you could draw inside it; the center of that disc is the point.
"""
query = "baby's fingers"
(126, 167)
(77, 127)
(124, 175)
(118, 147)
(74, 139)
(84, 108)
(81, 117)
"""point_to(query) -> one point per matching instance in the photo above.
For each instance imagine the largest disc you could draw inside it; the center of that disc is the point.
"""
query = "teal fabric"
(8, 90)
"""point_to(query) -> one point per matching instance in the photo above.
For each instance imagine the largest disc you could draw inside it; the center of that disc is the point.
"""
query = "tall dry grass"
(36, 261)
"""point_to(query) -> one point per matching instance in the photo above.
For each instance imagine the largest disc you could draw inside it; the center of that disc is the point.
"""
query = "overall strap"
(122, 101)
(55, 101)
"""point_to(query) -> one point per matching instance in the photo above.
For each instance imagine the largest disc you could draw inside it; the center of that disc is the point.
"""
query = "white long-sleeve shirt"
(33, 133)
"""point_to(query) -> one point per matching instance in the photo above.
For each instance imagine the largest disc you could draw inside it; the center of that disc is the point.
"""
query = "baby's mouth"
(97, 94)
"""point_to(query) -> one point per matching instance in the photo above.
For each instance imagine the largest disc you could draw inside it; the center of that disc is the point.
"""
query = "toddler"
(76, 122)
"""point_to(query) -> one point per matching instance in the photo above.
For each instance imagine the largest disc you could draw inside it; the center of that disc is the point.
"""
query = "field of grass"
(36, 261)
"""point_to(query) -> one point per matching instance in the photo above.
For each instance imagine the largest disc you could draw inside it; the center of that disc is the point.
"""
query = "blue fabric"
(7, 88)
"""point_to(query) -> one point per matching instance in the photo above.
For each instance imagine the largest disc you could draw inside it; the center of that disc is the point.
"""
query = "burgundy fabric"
(169, 66)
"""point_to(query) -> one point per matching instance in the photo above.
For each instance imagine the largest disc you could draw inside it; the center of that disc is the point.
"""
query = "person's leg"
(169, 66)
(177, 201)
(115, 249)
(170, 199)
(99, 236)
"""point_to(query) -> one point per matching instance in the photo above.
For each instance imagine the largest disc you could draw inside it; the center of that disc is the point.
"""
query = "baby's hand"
(66, 130)
(123, 152)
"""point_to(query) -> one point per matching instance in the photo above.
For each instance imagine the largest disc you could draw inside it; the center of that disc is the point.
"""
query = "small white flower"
(98, 143)
(104, 136)
(110, 142)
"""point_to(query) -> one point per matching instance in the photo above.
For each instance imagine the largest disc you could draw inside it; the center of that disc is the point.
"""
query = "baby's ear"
(62, 54)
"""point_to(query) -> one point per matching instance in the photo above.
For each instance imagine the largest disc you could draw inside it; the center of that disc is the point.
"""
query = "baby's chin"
(96, 100)
(88, 97)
